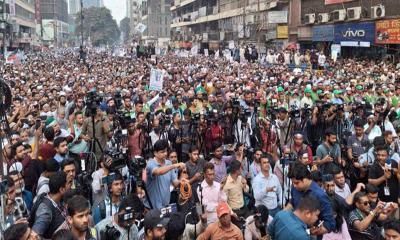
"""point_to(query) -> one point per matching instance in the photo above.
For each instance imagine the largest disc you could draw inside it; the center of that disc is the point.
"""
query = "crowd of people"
(293, 146)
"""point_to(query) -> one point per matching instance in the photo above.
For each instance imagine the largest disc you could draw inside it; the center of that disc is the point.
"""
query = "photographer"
(329, 153)
(121, 226)
(97, 176)
(137, 135)
(219, 161)
(78, 218)
(110, 205)
(102, 129)
(175, 135)
(160, 176)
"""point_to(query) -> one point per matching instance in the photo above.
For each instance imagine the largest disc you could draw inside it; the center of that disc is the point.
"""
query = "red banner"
(336, 1)
(387, 32)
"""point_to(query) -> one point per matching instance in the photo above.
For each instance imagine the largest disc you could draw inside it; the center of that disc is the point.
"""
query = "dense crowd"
(290, 146)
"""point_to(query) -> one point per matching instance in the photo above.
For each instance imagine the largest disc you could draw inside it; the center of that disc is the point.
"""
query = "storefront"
(322, 37)
(387, 36)
(356, 39)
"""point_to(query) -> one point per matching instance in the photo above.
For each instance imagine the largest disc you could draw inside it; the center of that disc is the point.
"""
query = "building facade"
(350, 28)
(21, 25)
(93, 3)
(74, 7)
(215, 24)
(54, 29)
(156, 16)
(133, 12)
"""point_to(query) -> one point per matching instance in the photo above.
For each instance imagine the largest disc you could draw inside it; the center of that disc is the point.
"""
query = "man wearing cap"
(307, 98)
(155, 226)
(337, 99)
(223, 228)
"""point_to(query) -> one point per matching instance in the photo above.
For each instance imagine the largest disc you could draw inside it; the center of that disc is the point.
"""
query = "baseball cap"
(155, 219)
(222, 209)
(307, 90)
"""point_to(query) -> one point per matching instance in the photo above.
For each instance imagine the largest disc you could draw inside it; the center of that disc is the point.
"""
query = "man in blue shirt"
(160, 177)
(302, 185)
(267, 188)
(288, 225)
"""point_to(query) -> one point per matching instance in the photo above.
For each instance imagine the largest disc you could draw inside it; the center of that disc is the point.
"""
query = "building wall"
(392, 7)
(74, 6)
(92, 3)
(157, 19)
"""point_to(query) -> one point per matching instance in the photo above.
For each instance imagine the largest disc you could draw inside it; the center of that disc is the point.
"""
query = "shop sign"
(387, 31)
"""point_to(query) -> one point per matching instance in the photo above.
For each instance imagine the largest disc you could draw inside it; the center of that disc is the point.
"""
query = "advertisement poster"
(387, 31)
(282, 32)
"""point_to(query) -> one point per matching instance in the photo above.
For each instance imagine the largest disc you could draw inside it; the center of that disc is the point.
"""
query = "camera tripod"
(5, 104)
(91, 159)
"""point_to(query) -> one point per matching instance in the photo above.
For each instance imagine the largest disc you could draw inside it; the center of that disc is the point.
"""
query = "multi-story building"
(133, 12)
(21, 27)
(93, 3)
(55, 28)
(74, 7)
(349, 27)
(213, 24)
(156, 15)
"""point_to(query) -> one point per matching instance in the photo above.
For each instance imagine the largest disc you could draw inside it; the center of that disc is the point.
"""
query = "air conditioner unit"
(323, 17)
(354, 13)
(338, 15)
(310, 18)
(378, 11)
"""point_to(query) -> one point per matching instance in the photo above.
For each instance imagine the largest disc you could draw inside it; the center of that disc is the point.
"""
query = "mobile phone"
(37, 124)
(320, 224)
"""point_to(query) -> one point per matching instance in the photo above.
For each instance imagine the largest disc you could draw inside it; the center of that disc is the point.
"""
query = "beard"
(81, 228)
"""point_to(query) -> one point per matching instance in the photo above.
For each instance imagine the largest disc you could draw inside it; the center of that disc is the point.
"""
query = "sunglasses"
(366, 203)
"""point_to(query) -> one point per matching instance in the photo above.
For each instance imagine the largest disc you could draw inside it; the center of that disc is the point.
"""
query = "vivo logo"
(354, 33)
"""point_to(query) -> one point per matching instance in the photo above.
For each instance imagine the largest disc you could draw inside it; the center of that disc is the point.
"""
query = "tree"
(99, 25)
(124, 26)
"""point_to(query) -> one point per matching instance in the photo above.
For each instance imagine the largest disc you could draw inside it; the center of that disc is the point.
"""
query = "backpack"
(55, 214)
(32, 215)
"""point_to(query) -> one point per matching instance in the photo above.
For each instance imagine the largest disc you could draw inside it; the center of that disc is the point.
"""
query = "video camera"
(119, 159)
(93, 101)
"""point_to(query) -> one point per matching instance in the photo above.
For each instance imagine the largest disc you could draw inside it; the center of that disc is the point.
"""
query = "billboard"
(277, 16)
(387, 31)
(354, 32)
(336, 1)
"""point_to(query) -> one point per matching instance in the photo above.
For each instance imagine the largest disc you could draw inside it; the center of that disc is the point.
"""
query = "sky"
(117, 7)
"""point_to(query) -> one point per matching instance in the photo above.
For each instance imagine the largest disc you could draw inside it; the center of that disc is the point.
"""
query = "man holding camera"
(101, 127)
(107, 207)
(121, 226)
(160, 176)
(329, 153)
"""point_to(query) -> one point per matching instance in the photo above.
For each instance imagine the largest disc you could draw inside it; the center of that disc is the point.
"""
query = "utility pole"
(4, 25)
(81, 23)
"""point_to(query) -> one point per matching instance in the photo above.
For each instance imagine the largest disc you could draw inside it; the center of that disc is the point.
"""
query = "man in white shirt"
(210, 193)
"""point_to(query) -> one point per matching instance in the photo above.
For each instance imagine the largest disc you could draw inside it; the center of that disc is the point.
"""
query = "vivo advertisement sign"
(355, 32)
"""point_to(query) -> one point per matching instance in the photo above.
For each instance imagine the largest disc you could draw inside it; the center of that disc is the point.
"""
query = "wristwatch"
(372, 213)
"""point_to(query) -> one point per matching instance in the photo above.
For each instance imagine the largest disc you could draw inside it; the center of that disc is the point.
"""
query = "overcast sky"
(117, 7)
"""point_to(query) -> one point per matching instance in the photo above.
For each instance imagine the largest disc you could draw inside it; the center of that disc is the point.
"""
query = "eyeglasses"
(366, 203)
